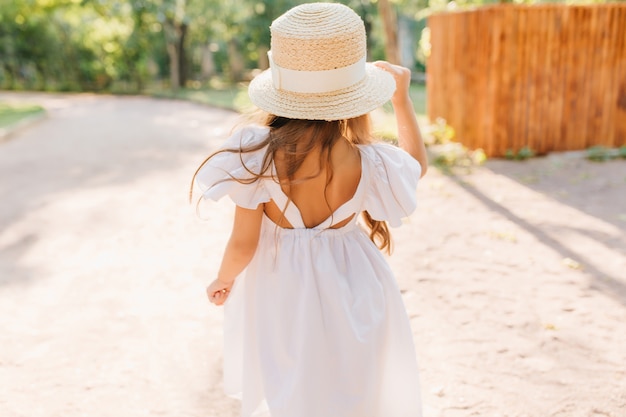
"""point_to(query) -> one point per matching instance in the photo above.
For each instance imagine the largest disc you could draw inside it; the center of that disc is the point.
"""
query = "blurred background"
(133, 46)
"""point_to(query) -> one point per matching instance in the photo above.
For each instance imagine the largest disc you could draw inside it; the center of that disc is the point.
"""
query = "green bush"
(603, 153)
(521, 155)
(447, 154)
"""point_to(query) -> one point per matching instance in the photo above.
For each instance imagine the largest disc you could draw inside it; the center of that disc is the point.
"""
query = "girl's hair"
(295, 139)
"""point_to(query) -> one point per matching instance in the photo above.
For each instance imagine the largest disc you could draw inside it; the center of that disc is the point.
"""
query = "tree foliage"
(109, 44)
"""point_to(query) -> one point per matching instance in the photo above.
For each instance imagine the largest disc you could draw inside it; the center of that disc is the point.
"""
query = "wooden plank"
(560, 20)
(505, 100)
(476, 77)
(584, 46)
(474, 113)
(453, 77)
(544, 66)
(488, 82)
(533, 78)
(620, 102)
(604, 76)
(597, 79)
(513, 69)
(552, 77)
(547, 124)
(500, 83)
(482, 75)
(461, 56)
(568, 76)
(471, 111)
(573, 86)
(611, 92)
(519, 103)
(608, 71)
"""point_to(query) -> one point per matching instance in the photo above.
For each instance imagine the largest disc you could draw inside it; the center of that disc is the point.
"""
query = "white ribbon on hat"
(323, 81)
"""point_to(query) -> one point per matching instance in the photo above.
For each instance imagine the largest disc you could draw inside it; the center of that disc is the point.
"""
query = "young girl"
(316, 327)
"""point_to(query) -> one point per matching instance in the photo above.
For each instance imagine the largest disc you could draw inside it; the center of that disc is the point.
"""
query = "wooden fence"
(549, 77)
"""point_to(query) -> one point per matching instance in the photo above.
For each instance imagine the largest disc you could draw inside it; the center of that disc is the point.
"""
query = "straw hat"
(317, 67)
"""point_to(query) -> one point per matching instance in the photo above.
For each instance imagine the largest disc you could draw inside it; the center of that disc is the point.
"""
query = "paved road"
(513, 276)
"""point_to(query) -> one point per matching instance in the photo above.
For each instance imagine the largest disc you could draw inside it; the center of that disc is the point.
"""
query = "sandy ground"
(514, 276)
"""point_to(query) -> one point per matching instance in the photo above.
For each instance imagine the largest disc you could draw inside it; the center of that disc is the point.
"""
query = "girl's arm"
(409, 134)
(240, 249)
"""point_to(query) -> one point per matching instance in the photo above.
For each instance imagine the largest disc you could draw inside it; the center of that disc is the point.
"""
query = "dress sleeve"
(394, 174)
(229, 173)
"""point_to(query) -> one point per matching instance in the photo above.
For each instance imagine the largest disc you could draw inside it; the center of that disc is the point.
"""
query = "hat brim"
(373, 91)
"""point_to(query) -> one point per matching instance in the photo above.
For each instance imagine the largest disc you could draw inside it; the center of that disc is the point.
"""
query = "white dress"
(316, 326)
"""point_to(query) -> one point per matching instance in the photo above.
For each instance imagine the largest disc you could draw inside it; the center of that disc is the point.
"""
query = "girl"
(316, 327)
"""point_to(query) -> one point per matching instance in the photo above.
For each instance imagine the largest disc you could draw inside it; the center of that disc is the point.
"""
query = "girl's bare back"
(309, 191)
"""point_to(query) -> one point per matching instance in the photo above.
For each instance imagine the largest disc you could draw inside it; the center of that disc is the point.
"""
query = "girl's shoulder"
(242, 152)
(392, 175)
(384, 156)
(246, 137)
(236, 168)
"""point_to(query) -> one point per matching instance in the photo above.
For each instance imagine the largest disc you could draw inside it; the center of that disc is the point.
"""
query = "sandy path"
(514, 276)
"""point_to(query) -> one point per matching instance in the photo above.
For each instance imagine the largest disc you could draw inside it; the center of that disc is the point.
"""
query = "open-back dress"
(316, 326)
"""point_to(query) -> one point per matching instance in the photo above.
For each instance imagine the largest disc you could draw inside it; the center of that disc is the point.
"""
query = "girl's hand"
(409, 134)
(218, 292)
(402, 76)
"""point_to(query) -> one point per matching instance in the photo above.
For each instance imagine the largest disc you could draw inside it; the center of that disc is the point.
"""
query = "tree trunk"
(41, 71)
(174, 66)
(8, 73)
(175, 33)
(388, 15)
(235, 61)
(207, 67)
(263, 62)
(139, 81)
(182, 55)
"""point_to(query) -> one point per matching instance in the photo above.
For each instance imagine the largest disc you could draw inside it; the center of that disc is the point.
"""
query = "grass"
(236, 97)
(418, 96)
(385, 121)
(227, 97)
(10, 114)
(233, 97)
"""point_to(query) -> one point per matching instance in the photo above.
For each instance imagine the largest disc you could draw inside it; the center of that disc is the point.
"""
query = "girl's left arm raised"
(240, 249)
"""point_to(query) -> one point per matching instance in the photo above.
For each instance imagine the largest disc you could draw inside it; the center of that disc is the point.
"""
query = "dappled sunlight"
(512, 278)
(511, 290)
(595, 245)
(512, 272)
(103, 261)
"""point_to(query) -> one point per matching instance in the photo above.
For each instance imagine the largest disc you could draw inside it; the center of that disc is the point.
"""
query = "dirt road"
(514, 276)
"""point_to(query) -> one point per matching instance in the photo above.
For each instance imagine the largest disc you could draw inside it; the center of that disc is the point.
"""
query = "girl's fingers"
(385, 66)
(219, 297)
(388, 67)
(215, 299)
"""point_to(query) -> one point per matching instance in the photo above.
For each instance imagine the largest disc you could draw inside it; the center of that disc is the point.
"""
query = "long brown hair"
(295, 139)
